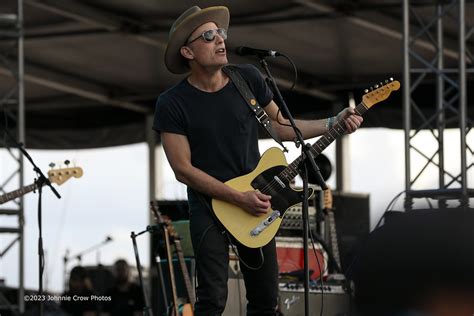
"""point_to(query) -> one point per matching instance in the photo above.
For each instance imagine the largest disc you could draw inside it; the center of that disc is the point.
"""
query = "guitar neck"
(169, 257)
(17, 193)
(333, 237)
(184, 269)
(322, 143)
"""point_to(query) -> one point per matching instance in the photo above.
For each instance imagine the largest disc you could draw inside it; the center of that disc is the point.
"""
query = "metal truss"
(424, 66)
(12, 59)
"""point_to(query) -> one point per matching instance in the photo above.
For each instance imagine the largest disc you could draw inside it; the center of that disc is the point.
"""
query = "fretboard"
(17, 193)
(333, 237)
(321, 144)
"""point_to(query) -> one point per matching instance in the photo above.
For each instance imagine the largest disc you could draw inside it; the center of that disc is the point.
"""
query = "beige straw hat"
(182, 28)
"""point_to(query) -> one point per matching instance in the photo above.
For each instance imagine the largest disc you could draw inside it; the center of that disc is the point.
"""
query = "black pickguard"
(282, 197)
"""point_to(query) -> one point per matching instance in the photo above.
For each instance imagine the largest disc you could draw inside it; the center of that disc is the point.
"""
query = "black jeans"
(211, 248)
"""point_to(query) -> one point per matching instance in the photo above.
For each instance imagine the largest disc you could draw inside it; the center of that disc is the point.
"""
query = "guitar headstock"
(171, 231)
(162, 219)
(328, 200)
(379, 92)
(61, 175)
(156, 213)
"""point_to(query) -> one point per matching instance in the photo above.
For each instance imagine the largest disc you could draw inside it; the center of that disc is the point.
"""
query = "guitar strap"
(247, 94)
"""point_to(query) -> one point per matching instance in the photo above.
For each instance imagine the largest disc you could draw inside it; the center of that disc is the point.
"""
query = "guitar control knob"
(52, 164)
(67, 162)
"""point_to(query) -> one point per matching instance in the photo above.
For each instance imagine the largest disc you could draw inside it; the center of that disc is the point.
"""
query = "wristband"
(330, 122)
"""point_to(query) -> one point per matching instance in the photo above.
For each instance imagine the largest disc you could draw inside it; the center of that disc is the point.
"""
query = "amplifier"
(313, 288)
(293, 219)
(291, 258)
(334, 300)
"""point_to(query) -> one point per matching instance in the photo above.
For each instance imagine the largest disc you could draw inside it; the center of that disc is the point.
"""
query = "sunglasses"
(210, 35)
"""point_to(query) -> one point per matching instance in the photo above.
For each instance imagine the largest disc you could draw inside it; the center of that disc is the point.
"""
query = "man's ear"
(187, 52)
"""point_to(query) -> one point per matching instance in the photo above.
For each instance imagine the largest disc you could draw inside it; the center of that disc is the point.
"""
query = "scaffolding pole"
(11, 27)
(421, 68)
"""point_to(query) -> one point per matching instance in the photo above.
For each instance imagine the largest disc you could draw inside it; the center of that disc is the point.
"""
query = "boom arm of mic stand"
(82, 253)
(41, 178)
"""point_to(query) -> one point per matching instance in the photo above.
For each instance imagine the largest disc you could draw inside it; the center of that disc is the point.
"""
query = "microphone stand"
(147, 311)
(40, 181)
(82, 253)
(308, 164)
(79, 255)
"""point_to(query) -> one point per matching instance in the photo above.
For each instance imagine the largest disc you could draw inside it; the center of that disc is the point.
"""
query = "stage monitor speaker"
(352, 216)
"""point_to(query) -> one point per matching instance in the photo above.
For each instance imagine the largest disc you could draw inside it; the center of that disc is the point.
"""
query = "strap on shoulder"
(247, 94)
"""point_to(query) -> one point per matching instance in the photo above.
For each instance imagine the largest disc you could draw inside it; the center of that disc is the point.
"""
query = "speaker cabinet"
(351, 213)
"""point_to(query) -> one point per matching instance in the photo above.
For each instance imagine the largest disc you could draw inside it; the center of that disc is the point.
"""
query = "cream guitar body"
(265, 178)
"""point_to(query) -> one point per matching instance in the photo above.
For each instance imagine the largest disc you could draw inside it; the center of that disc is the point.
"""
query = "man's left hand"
(351, 119)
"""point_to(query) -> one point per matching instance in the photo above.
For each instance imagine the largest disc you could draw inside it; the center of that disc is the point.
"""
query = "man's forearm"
(309, 129)
(206, 184)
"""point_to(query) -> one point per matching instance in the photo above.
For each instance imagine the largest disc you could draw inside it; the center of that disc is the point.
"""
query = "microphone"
(244, 51)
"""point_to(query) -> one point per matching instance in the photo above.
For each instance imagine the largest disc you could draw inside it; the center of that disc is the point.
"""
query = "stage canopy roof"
(94, 68)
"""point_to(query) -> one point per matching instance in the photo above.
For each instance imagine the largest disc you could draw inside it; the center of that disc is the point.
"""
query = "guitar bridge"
(265, 223)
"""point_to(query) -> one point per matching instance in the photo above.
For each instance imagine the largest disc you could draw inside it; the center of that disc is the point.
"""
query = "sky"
(111, 198)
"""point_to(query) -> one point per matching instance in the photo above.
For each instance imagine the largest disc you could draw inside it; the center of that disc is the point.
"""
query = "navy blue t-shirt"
(221, 129)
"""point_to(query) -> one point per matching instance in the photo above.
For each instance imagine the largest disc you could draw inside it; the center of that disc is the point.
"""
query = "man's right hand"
(255, 203)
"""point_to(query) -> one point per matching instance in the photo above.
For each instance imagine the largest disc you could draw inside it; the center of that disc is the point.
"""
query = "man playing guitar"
(210, 136)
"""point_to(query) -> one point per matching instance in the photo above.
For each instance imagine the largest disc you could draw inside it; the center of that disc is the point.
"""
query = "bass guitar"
(58, 176)
(273, 175)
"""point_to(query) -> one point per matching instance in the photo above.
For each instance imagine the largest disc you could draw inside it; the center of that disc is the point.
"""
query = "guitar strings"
(290, 170)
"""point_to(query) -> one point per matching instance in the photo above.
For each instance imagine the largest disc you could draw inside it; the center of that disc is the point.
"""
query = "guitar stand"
(160, 275)
(162, 229)
(147, 311)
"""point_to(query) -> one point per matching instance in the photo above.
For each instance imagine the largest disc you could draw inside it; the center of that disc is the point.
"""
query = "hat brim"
(174, 61)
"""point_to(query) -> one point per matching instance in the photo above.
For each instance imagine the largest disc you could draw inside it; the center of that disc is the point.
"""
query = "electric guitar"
(272, 176)
(58, 176)
(329, 210)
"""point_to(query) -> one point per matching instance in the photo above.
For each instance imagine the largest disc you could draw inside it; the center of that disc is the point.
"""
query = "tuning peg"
(67, 162)
(366, 91)
(386, 81)
(381, 83)
(391, 78)
(371, 88)
(376, 86)
(52, 164)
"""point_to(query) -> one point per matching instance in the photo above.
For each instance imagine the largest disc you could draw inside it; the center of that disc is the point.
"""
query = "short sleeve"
(168, 116)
